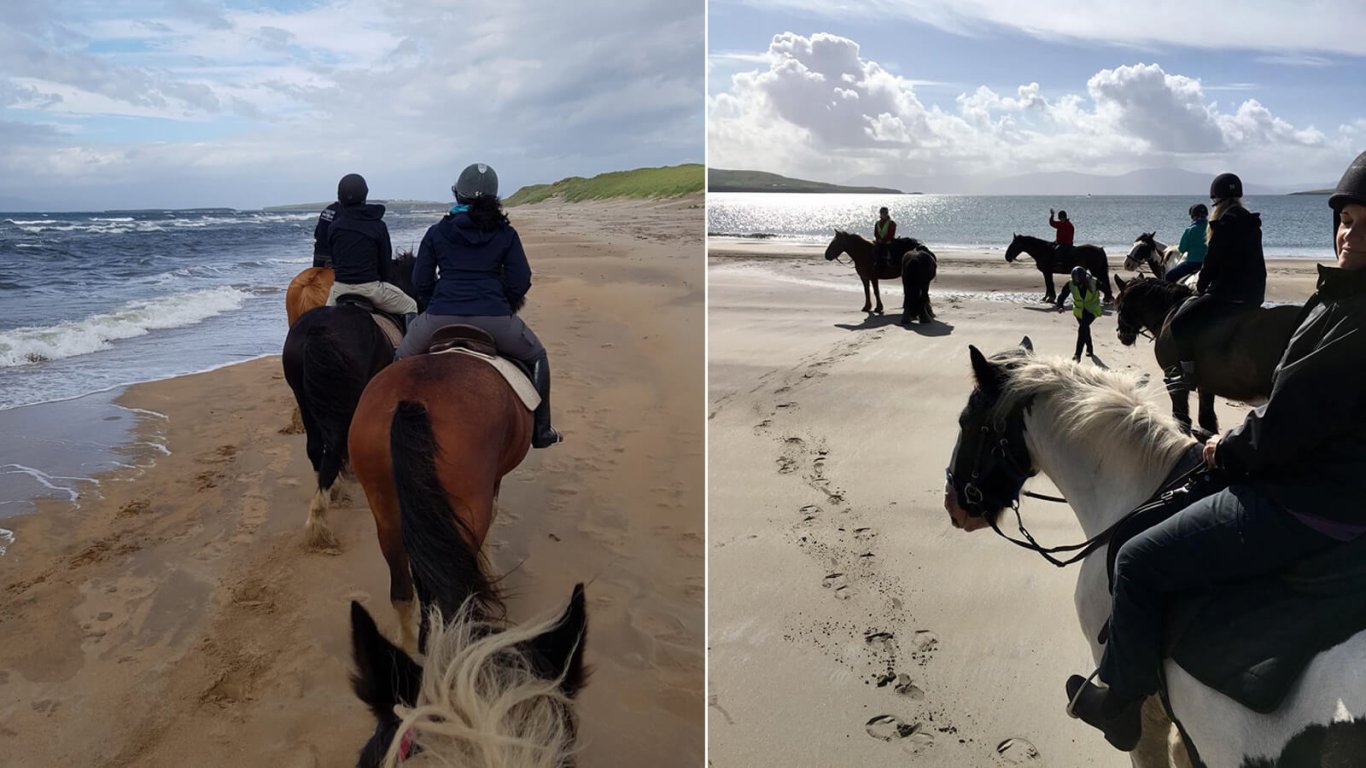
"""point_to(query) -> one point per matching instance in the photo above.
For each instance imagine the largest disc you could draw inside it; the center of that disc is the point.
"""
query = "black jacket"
(1306, 447)
(1235, 268)
(481, 272)
(322, 250)
(359, 241)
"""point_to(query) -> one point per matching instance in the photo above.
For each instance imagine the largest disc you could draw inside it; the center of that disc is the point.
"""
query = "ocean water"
(90, 302)
(1293, 226)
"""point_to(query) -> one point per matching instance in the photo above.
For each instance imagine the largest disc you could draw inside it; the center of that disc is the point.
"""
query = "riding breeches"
(385, 297)
(1198, 311)
(1231, 536)
(510, 335)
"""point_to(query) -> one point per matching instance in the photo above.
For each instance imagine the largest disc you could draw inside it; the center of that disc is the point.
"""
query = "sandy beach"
(175, 618)
(850, 623)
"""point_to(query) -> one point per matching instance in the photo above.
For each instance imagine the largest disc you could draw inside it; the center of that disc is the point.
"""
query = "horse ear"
(987, 375)
(1119, 281)
(1027, 345)
(561, 646)
(384, 675)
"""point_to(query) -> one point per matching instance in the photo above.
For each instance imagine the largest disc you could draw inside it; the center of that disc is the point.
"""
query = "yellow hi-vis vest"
(1090, 302)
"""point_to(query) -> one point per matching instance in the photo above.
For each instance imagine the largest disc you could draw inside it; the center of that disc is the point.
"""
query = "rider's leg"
(419, 334)
(1228, 537)
(1188, 316)
(516, 340)
(1179, 271)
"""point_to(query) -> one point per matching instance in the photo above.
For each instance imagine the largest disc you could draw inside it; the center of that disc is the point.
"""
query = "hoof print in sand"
(809, 512)
(912, 736)
(1017, 752)
(906, 688)
(839, 583)
(924, 641)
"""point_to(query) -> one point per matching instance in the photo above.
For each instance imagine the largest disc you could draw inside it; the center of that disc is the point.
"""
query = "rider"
(884, 232)
(1085, 307)
(472, 270)
(1298, 469)
(359, 243)
(1062, 239)
(1233, 278)
(1193, 244)
(322, 251)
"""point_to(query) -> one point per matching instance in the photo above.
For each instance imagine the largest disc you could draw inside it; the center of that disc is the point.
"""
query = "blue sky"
(959, 92)
(155, 103)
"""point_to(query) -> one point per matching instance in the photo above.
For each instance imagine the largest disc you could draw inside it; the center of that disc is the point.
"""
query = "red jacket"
(1065, 230)
(884, 237)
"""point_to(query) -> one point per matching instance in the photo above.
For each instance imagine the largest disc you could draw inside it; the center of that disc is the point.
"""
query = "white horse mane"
(482, 705)
(1098, 410)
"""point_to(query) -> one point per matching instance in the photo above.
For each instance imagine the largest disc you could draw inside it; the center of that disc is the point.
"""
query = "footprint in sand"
(809, 512)
(864, 534)
(913, 737)
(924, 640)
(839, 583)
(1016, 751)
(906, 688)
(786, 465)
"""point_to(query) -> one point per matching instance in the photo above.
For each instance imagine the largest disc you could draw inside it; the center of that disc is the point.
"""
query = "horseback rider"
(1062, 239)
(1192, 245)
(1298, 470)
(358, 240)
(471, 269)
(322, 250)
(1085, 307)
(1233, 277)
(884, 232)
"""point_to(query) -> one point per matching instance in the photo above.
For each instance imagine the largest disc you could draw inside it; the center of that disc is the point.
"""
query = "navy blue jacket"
(462, 270)
(359, 241)
(322, 250)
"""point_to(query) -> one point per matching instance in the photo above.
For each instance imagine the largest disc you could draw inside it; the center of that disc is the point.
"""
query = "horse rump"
(918, 269)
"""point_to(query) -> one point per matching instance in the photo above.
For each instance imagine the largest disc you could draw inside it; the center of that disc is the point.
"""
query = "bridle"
(1128, 327)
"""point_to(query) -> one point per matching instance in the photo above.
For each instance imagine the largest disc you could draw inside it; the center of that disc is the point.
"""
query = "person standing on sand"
(1192, 245)
(361, 254)
(1298, 469)
(471, 269)
(1085, 307)
(322, 250)
(884, 232)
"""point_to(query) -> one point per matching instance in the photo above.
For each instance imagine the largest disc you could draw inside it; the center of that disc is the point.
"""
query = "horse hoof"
(877, 311)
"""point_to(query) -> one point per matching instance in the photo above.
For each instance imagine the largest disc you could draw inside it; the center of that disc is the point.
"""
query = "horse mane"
(481, 701)
(855, 235)
(1091, 407)
(1145, 288)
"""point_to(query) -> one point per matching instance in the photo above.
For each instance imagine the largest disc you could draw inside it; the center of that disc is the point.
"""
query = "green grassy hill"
(721, 180)
(669, 181)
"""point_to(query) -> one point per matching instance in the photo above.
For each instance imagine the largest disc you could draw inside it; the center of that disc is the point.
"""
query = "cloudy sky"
(245, 103)
(945, 95)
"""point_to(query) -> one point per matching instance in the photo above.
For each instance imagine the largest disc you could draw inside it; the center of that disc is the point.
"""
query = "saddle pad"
(389, 328)
(509, 370)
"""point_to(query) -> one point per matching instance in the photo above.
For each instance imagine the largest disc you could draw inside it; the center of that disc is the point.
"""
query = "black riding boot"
(1121, 722)
(542, 434)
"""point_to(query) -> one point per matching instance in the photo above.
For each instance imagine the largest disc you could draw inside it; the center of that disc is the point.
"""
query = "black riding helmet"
(1351, 189)
(1226, 185)
(352, 190)
(1198, 211)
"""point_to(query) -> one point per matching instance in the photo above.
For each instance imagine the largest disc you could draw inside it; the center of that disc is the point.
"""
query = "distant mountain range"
(721, 180)
(1148, 181)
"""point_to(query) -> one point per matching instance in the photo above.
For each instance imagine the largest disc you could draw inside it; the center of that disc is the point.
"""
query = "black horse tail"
(331, 388)
(441, 551)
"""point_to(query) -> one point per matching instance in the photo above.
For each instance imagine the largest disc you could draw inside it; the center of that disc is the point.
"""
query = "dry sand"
(850, 623)
(177, 619)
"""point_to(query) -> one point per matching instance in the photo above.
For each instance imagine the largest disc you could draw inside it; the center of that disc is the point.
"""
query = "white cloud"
(818, 109)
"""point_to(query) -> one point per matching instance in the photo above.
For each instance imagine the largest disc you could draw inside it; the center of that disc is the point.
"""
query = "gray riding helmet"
(1226, 185)
(1351, 189)
(477, 180)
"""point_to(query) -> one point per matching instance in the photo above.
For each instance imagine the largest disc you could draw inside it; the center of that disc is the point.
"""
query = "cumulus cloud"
(819, 108)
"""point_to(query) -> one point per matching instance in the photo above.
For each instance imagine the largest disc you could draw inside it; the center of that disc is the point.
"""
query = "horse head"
(1016, 245)
(1140, 252)
(990, 461)
(1125, 321)
(508, 668)
(839, 244)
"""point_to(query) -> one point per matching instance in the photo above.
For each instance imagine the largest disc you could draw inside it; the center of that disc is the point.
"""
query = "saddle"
(1251, 641)
(390, 325)
(475, 342)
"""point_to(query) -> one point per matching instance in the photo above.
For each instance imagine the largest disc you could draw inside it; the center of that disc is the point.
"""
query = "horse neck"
(1036, 247)
(1154, 314)
(1074, 465)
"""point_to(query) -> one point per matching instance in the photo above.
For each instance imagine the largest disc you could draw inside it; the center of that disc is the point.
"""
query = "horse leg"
(1180, 406)
(316, 530)
(879, 297)
(867, 298)
(1209, 421)
(1050, 291)
(401, 593)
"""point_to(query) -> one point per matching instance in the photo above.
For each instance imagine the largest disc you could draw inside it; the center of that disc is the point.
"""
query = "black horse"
(903, 251)
(1052, 259)
(330, 354)
(918, 268)
(486, 676)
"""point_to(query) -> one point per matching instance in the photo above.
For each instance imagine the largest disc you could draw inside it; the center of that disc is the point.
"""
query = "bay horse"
(1147, 249)
(1235, 356)
(916, 284)
(1107, 448)
(330, 354)
(487, 694)
(307, 290)
(482, 429)
(1052, 260)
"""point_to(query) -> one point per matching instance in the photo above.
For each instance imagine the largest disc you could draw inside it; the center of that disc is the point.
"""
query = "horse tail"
(331, 389)
(441, 548)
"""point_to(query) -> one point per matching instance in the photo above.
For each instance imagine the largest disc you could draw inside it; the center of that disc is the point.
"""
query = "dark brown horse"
(904, 251)
(482, 432)
(510, 689)
(1052, 260)
(1234, 356)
